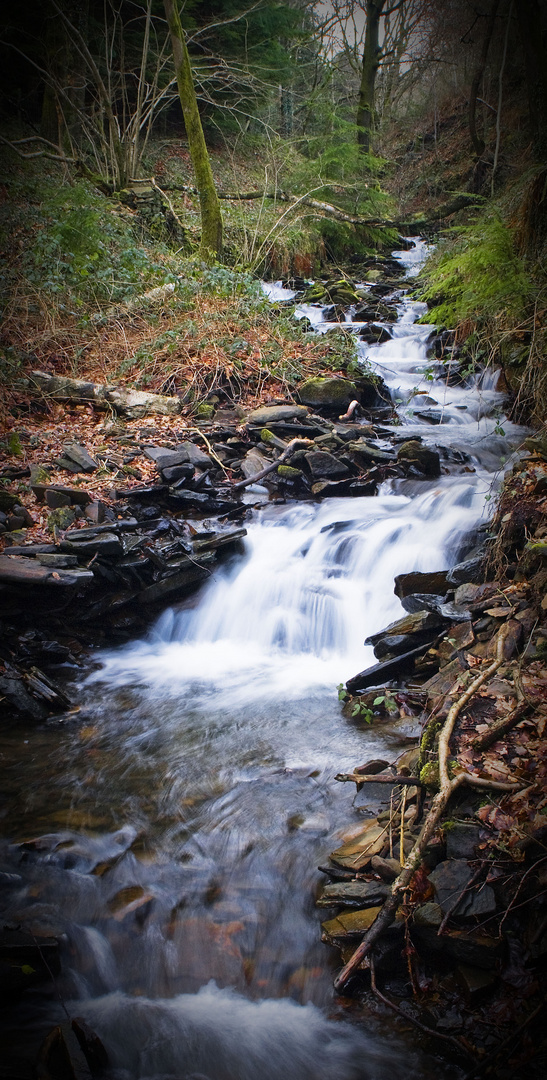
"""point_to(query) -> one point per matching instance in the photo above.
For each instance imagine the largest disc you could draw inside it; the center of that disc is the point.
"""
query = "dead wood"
(440, 801)
(295, 444)
(502, 727)
(380, 778)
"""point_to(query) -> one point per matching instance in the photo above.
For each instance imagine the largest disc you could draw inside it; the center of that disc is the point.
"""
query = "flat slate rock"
(268, 414)
(78, 454)
(16, 570)
(354, 894)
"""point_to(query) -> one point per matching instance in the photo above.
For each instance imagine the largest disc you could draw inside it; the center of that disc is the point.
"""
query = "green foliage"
(85, 251)
(476, 274)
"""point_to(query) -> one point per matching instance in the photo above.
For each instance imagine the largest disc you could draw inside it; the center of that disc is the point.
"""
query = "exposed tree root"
(440, 801)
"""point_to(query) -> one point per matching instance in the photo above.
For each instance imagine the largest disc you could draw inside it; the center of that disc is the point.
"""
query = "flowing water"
(185, 812)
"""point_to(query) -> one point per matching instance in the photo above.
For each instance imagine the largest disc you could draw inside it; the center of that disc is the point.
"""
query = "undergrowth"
(476, 274)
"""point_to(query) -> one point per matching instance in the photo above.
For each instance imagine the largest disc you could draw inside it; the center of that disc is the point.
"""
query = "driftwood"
(295, 444)
(438, 806)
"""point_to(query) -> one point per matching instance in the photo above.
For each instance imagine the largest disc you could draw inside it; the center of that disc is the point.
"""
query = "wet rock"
(184, 472)
(369, 453)
(327, 392)
(323, 465)
(423, 459)
(254, 462)
(178, 582)
(412, 630)
(17, 571)
(21, 701)
(349, 924)
(106, 543)
(380, 674)
(387, 869)
(58, 562)
(359, 851)
(79, 455)
(268, 414)
(471, 570)
(354, 894)
(436, 582)
(375, 335)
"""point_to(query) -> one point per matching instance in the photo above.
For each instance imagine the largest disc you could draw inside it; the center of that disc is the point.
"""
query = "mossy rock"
(205, 410)
(61, 518)
(288, 472)
(429, 775)
(330, 393)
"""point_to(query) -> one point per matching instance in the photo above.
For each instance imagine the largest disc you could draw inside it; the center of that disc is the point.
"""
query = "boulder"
(327, 392)
(375, 335)
(423, 459)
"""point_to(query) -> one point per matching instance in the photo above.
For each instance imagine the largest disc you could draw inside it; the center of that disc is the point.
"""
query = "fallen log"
(132, 403)
(438, 806)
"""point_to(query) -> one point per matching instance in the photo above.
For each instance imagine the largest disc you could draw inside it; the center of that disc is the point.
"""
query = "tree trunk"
(211, 217)
(532, 19)
(478, 144)
(371, 63)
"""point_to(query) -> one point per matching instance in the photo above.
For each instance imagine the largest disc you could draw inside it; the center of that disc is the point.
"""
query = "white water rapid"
(184, 816)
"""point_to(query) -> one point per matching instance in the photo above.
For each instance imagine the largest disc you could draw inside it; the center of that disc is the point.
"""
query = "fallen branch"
(295, 444)
(501, 727)
(438, 806)
(380, 778)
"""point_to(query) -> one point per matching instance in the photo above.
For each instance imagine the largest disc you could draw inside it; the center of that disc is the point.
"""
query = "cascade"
(206, 764)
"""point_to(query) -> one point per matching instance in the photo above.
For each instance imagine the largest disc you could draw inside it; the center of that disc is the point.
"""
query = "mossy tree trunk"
(371, 62)
(211, 217)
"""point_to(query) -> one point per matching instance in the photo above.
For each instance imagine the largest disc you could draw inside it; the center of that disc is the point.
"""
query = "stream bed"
(174, 828)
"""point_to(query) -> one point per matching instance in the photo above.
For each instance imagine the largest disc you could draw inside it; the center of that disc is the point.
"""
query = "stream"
(178, 824)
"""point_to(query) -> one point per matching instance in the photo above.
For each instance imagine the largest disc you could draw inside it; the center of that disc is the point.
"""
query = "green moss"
(475, 274)
(288, 472)
(429, 775)
(61, 518)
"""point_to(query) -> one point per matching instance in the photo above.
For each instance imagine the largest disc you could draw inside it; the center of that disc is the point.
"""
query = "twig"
(411, 1019)
(380, 778)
